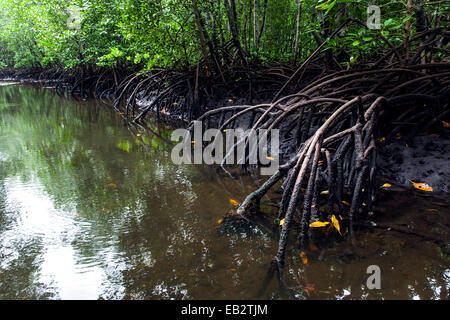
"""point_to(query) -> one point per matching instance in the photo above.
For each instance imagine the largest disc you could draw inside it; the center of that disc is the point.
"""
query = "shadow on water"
(90, 210)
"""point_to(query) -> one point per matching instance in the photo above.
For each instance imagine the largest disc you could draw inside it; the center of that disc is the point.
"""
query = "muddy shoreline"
(400, 160)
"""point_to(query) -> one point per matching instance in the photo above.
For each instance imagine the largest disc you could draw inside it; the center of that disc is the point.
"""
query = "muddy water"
(91, 209)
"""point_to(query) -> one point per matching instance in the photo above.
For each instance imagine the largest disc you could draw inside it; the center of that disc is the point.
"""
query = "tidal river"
(93, 209)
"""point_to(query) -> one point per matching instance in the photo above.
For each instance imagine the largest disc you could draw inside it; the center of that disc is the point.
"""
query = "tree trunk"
(262, 24)
(230, 5)
(201, 36)
(297, 30)
(407, 30)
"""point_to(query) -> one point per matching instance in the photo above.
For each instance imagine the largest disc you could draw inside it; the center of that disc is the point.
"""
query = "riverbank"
(402, 159)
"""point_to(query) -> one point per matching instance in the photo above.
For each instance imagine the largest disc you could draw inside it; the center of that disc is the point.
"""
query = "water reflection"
(90, 210)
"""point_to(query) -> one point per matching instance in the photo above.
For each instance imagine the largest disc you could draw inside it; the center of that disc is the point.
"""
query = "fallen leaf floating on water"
(345, 202)
(175, 103)
(324, 192)
(219, 221)
(270, 158)
(422, 186)
(282, 222)
(446, 124)
(304, 257)
(234, 202)
(319, 224)
(309, 288)
(313, 247)
(335, 223)
(386, 185)
(111, 185)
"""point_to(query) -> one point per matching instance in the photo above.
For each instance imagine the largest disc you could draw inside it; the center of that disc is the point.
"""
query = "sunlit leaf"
(319, 224)
(386, 185)
(335, 223)
(421, 186)
(219, 221)
(282, 222)
(234, 202)
(345, 202)
(324, 192)
(270, 158)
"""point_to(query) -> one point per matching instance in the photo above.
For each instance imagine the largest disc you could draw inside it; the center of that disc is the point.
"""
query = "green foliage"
(164, 33)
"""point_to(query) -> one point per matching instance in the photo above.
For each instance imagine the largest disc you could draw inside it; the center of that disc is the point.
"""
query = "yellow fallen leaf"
(282, 222)
(304, 257)
(234, 202)
(335, 223)
(364, 204)
(193, 141)
(111, 185)
(386, 185)
(345, 202)
(446, 124)
(230, 100)
(175, 103)
(270, 158)
(319, 224)
(138, 135)
(219, 221)
(383, 139)
(324, 192)
(422, 186)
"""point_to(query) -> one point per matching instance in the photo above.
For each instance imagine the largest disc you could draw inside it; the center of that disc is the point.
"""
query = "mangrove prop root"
(336, 139)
